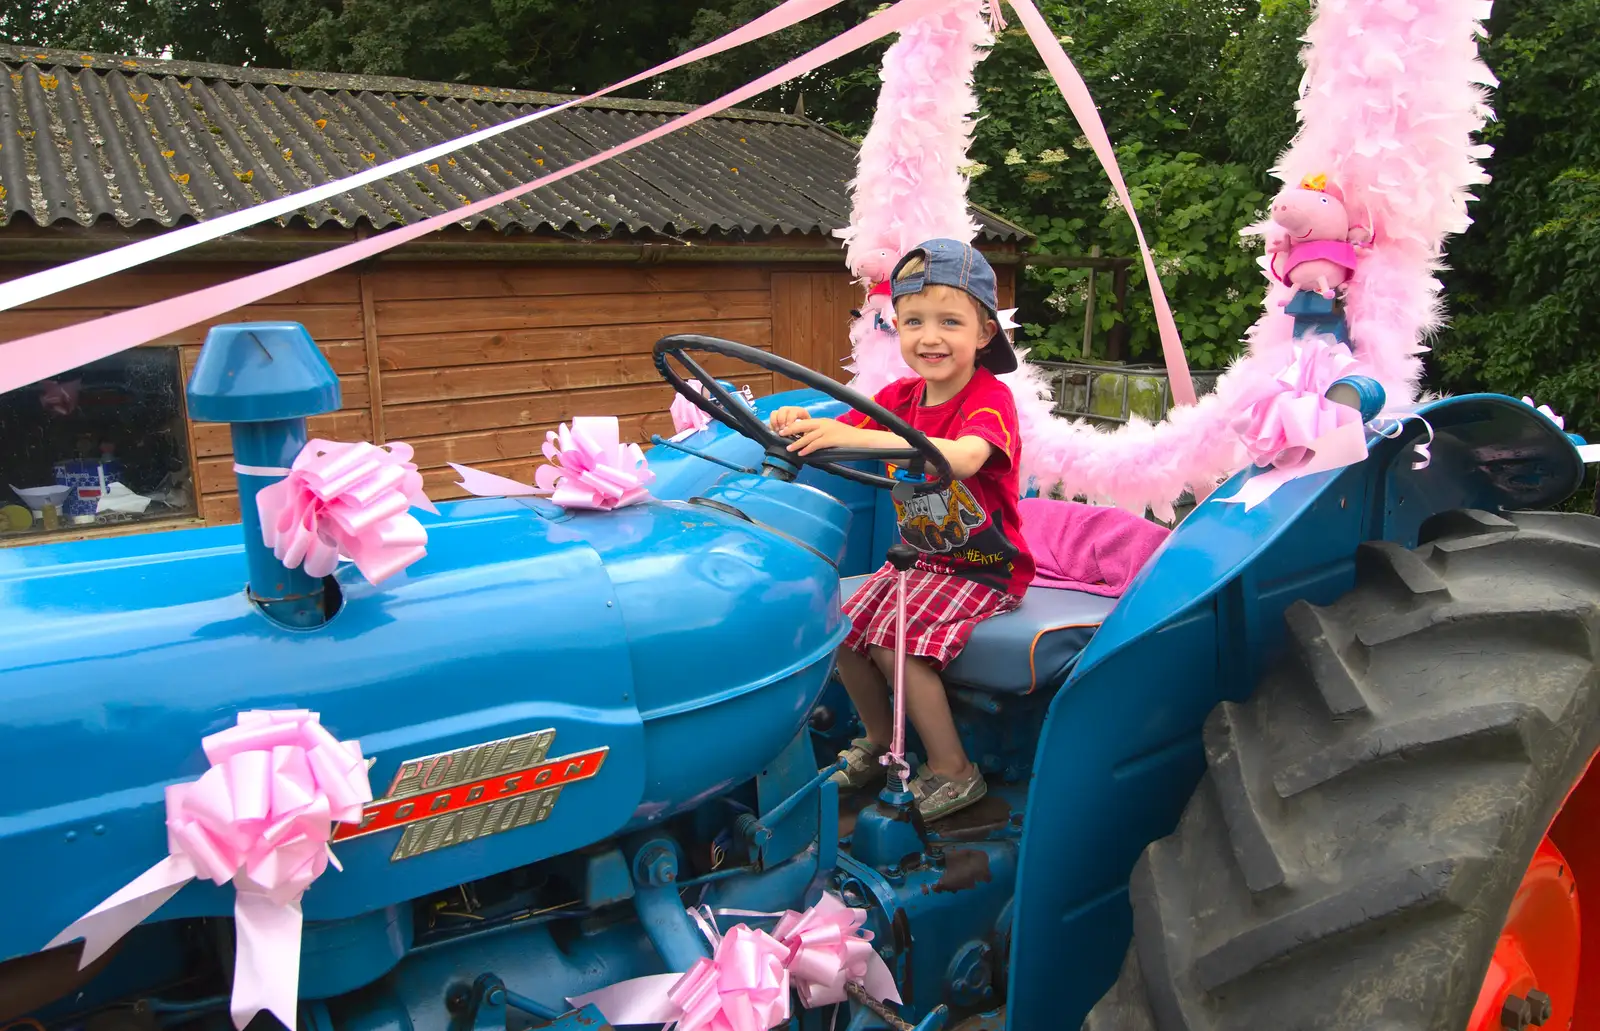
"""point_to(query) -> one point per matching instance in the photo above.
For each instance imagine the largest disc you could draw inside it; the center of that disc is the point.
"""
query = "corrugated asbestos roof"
(85, 137)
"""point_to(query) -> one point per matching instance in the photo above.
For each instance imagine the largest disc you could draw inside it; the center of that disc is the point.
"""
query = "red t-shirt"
(971, 530)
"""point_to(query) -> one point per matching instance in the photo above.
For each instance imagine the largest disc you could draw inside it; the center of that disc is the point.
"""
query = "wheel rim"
(1540, 975)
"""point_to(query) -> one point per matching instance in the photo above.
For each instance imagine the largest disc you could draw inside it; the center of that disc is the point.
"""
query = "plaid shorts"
(941, 613)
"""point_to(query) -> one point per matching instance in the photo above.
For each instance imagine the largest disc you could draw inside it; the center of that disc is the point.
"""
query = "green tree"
(1524, 285)
(224, 31)
(1260, 83)
(1160, 71)
(552, 45)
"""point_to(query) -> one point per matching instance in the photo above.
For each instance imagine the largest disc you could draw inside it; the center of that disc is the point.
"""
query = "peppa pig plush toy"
(874, 267)
(1312, 243)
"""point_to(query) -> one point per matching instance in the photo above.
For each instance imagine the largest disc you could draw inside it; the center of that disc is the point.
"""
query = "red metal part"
(1540, 954)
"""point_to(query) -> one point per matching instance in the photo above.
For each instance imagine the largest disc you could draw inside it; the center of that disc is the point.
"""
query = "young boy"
(972, 562)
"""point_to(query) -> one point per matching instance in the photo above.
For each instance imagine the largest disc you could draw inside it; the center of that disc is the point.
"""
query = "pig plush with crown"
(1313, 245)
(874, 345)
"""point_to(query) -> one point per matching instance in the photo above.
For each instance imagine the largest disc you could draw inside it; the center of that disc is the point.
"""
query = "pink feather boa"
(1392, 95)
(908, 186)
(875, 360)
(1394, 92)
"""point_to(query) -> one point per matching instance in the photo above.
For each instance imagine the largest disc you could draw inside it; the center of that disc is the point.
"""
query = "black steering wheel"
(736, 415)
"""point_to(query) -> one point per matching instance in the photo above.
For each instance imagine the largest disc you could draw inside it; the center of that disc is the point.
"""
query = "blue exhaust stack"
(265, 379)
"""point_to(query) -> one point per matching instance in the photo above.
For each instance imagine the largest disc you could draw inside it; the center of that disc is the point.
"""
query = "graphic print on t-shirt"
(941, 522)
(954, 535)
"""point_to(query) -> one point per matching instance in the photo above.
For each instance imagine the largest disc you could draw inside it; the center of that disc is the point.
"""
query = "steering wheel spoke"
(722, 406)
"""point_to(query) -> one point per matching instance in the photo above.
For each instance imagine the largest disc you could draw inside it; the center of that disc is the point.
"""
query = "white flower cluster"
(1014, 157)
(1053, 156)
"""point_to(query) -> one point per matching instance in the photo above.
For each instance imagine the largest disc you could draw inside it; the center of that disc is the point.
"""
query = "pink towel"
(1085, 547)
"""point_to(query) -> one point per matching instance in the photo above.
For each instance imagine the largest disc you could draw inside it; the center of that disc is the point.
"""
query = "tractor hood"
(598, 652)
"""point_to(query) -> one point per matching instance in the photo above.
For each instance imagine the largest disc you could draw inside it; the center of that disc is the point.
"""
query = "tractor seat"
(1030, 646)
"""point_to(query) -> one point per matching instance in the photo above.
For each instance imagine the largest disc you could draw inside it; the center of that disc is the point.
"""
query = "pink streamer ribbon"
(997, 17)
(895, 757)
(1423, 449)
(590, 468)
(745, 985)
(1076, 93)
(86, 270)
(1290, 426)
(262, 817)
(33, 358)
(347, 499)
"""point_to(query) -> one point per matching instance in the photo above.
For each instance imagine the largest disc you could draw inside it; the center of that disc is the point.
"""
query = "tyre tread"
(1245, 916)
(1319, 643)
(1253, 850)
(1514, 723)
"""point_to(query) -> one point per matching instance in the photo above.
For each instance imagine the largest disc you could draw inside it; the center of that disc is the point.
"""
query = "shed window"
(105, 443)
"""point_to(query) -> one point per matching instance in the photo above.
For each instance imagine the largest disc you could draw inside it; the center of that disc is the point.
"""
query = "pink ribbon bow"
(590, 468)
(747, 980)
(261, 816)
(828, 949)
(743, 987)
(349, 499)
(1288, 414)
(688, 417)
(1288, 424)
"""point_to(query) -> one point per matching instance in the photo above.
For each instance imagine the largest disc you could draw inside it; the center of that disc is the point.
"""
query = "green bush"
(1524, 287)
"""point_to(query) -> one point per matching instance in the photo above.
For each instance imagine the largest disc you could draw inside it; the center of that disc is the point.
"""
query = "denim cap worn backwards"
(958, 265)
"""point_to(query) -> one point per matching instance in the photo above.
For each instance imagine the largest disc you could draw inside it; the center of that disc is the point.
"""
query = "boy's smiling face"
(941, 330)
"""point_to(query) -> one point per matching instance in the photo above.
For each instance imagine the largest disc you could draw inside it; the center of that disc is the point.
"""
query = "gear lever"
(902, 557)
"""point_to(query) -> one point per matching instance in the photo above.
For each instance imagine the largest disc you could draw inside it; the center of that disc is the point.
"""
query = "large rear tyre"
(1380, 821)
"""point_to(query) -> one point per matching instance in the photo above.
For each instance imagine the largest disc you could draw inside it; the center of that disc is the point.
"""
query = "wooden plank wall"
(811, 321)
(474, 362)
(479, 362)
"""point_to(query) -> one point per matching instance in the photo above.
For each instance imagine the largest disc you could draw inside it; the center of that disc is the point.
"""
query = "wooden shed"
(470, 343)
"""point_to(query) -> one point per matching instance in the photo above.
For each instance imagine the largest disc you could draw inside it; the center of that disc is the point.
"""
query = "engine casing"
(641, 661)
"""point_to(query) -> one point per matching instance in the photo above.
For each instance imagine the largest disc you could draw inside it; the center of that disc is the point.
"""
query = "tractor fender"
(1121, 749)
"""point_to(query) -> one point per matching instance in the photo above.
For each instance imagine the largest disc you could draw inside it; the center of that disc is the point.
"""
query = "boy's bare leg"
(929, 710)
(870, 693)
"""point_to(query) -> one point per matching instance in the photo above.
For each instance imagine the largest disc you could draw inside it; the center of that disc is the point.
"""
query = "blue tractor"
(1309, 771)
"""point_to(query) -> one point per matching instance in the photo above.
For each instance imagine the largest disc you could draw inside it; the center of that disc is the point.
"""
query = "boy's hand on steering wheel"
(816, 434)
(786, 416)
